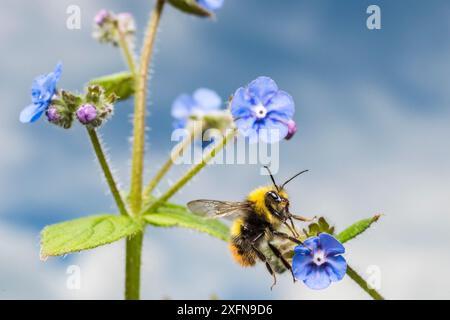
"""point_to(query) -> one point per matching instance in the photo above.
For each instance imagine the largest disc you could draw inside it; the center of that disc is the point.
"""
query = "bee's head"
(276, 199)
(278, 204)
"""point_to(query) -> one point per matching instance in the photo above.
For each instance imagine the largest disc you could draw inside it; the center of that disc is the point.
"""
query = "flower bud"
(86, 114)
(110, 27)
(101, 17)
(58, 114)
(292, 129)
(53, 115)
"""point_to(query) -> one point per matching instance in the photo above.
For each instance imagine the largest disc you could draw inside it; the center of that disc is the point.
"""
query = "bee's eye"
(274, 196)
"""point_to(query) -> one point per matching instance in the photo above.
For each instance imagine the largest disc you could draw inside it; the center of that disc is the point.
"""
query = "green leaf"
(191, 7)
(356, 229)
(119, 84)
(171, 215)
(85, 233)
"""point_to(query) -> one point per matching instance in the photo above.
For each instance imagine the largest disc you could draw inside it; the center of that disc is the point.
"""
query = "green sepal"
(321, 226)
(171, 215)
(191, 7)
(119, 84)
(71, 101)
(356, 229)
(85, 233)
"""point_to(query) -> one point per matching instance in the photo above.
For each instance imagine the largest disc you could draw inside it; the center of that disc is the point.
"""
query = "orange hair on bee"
(245, 260)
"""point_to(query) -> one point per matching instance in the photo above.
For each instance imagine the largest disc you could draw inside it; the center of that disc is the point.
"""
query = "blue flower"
(211, 5)
(319, 262)
(262, 112)
(42, 92)
(201, 103)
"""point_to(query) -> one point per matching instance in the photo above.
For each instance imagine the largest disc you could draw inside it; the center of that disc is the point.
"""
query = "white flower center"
(319, 257)
(260, 111)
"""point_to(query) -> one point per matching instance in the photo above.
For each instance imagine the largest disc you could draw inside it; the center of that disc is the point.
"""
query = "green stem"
(174, 155)
(134, 244)
(127, 52)
(133, 266)
(191, 173)
(137, 164)
(363, 284)
(96, 144)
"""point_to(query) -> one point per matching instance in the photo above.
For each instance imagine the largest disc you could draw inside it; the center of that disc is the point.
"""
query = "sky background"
(373, 112)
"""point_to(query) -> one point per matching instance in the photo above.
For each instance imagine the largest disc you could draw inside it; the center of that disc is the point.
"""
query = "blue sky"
(373, 111)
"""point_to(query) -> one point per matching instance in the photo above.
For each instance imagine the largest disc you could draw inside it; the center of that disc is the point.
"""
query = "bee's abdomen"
(241, 247)
(245, 258)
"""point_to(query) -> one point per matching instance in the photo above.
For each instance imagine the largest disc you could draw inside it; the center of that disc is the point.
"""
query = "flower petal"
(211, 4)
(281, 104)
(312, 243)
(241, 105)
(182, 107)
(330, 245)
(31, 113)
(318, 279)
(245, 125)
(336, 268)
(44, 86)
(302, 250)
(302, 266)
(58, 71)
(273, 131)
(207, 99)
(263, 88)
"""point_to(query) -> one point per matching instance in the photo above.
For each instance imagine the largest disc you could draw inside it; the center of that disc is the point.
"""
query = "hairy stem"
(96, 144)
(363, 284)
(134, 245)
(126, 50)
(133, 266)
(192, 172)
(137, 164)
(175, 154)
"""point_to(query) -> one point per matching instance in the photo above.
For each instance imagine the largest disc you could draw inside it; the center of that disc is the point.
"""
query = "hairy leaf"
(191, 7)
(119, 84)
(171, 215)
(356, 229)
(85, 233)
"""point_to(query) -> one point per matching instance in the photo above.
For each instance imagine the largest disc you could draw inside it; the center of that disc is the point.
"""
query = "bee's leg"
(278, 254)
(300, 218)
(288, 237)
(294, 230)
(263, 258)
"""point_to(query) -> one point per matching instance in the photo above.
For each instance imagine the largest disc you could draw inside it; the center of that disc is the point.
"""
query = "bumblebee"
(257, 221)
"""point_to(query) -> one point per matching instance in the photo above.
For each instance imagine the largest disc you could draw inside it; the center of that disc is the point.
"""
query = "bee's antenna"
(304, 171)
(272, 178)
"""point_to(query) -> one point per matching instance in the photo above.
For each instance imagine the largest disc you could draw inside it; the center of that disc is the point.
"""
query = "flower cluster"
(61, 107)
(260, 111)
(319, 261)
(109, 27)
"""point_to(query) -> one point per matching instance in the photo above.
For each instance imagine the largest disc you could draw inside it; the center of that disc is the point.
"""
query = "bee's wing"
(218, 209)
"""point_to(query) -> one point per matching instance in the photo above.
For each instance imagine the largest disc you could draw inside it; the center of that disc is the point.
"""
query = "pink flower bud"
(292, 129)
